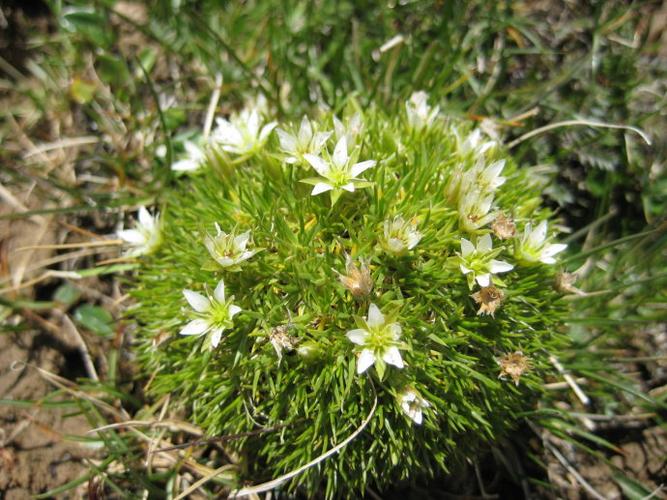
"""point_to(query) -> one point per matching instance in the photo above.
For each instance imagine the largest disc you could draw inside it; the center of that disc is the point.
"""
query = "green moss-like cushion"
(346, 297)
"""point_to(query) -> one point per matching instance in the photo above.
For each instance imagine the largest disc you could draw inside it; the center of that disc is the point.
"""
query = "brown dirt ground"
(34, 453)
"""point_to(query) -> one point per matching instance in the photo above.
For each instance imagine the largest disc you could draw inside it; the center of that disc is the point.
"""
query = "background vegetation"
(99, 96)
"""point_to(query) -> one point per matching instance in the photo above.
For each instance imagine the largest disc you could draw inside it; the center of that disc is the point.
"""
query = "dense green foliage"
(312, 398)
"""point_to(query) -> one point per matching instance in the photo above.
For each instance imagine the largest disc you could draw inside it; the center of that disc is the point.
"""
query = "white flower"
(488, 178)
(400, 236)
(350, 130)
(228, 250)
(193, 161)
(243, 133)
(306, 140)
(214, 314)
(474, 209)
(146, 235)
(380, 342)
(477, 262)
(474, 145)
(532, 246)
(418, 112)
(412, 405)
(480, 181)
(337, 174)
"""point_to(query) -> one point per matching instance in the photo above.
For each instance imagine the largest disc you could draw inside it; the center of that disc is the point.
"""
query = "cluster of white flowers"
(473, 190)
(378, 340)
(243, 133)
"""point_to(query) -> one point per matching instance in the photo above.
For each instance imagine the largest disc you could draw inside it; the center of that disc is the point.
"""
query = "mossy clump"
(394, 263)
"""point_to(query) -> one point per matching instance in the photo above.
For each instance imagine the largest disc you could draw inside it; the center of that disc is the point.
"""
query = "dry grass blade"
(63, 143)
(569, 123)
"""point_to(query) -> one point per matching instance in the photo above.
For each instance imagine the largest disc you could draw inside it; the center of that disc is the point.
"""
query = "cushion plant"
(383, 269)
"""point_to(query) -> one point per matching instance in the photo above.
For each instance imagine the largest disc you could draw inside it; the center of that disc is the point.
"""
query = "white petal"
(241, 240)
(416, 416)
(253, 123)
(234, 310)
(187, 165)
(392, 356)
(395, 330)
(193, 150)
(538, 236)
(359, 168)
(224, 261)
(466, 247)
(247, 254)
(547, 260)
(318, 141)
(216, 336)
(287, 140)
(413, 238)
(483, 279)
(195, 327)
(340, 153)
(305, 131)
(321, 166)
(464, 269)
(499, 266)
(338, 127)
(552, 250)
(145, 218)
(486, 146)
(357, 336)
(132, 236)
(484, 243)
(365, 360)
(375, 316)
(197, 301)
(494, 169)
(219, 292)
(226, 133)
(321, 187)
(266, 131)
(349, 187)
(408, 397)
